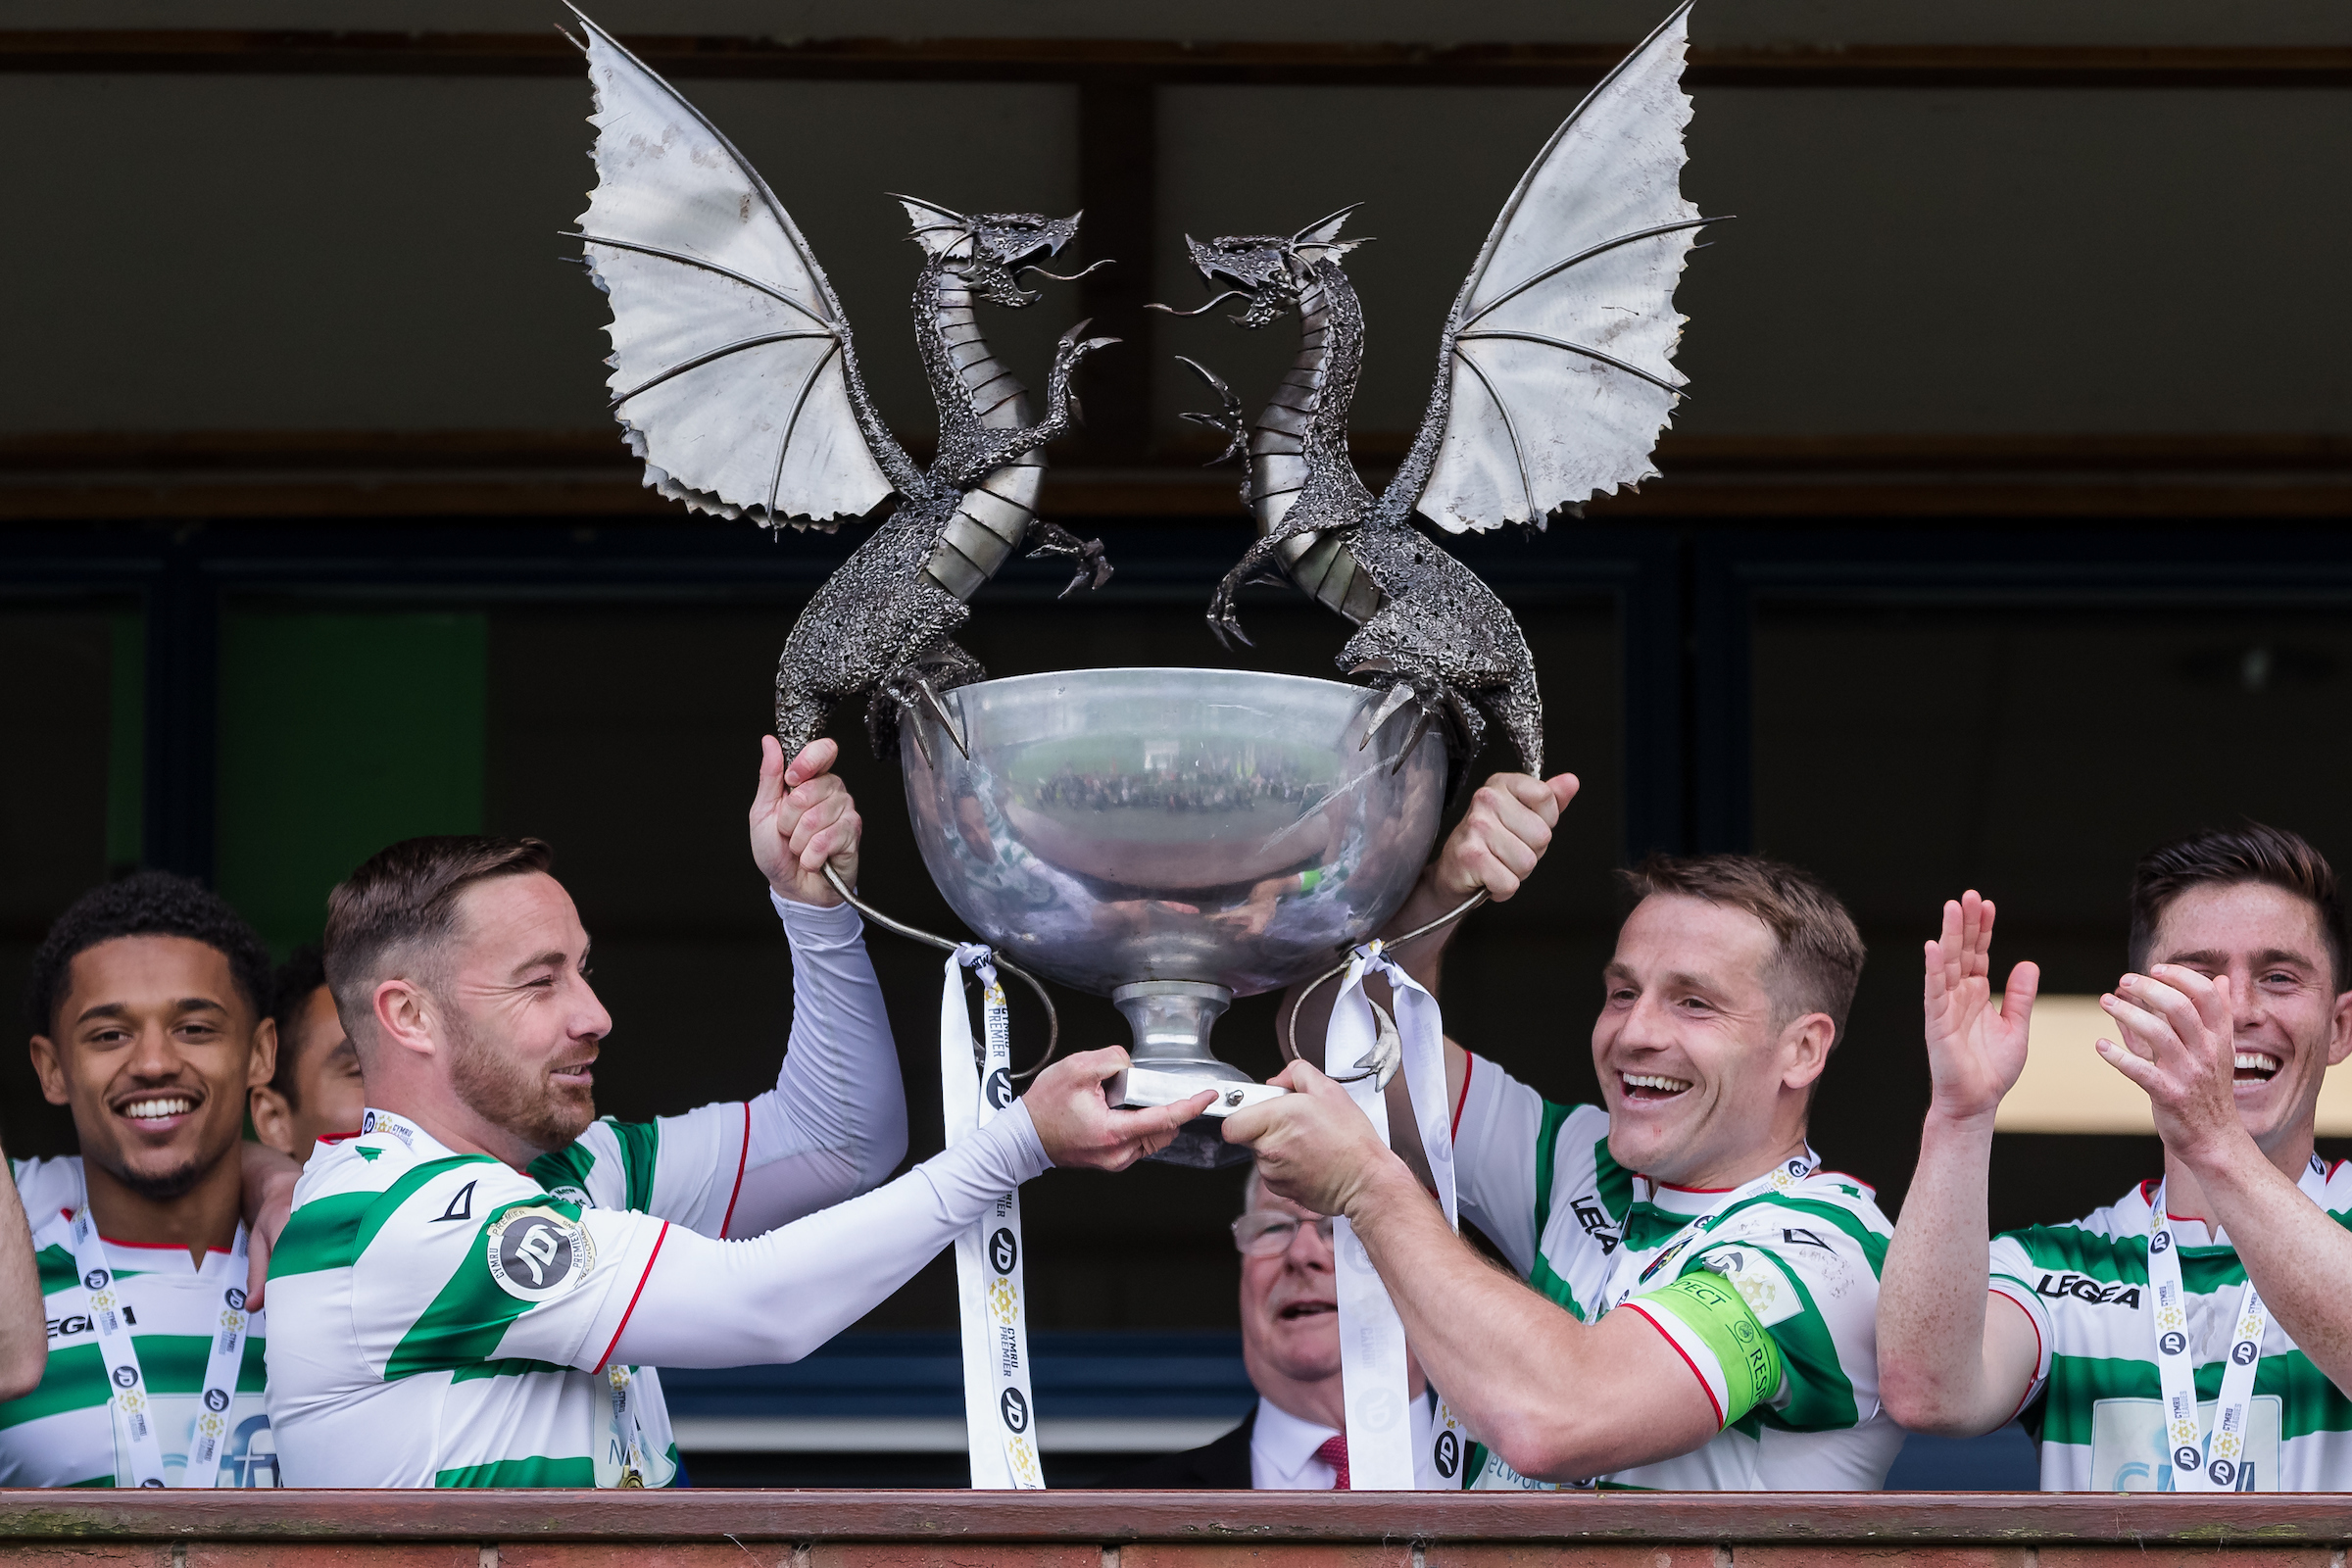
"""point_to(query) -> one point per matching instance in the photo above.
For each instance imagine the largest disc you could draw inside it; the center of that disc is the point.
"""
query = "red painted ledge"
(1870, 1523)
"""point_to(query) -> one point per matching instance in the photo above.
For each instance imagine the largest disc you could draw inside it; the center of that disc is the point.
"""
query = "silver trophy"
(1172, 839)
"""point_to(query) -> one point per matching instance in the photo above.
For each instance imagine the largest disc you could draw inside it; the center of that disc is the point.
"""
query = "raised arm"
(835, 1123)
(24, 1325)
(1495, 847)
(795, 1287)
(2177, 1034)
(1557, 1398)
(1947, 1363)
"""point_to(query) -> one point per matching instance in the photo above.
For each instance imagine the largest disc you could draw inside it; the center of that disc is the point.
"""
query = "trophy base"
(1171, 1062)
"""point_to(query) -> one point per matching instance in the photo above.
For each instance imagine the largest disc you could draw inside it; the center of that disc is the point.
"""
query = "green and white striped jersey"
(2097, 1404)
(64, 1433)
(1536, 1178)
(451, 1317)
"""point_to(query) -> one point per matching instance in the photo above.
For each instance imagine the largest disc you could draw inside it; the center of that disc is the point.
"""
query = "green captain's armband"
(1710, 1312)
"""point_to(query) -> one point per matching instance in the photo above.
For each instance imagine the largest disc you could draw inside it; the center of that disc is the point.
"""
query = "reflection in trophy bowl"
(1172, 838)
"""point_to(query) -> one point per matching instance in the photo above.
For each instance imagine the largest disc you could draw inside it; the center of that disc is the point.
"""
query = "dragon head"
(990, 251)
(1268, 270)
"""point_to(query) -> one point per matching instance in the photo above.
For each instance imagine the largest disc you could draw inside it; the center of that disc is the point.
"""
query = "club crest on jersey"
(536, 1252)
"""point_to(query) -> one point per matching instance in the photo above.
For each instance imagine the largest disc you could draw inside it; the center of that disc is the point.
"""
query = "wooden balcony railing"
(712, 1528)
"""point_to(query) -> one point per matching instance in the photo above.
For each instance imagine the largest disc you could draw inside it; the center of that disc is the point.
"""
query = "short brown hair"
(1819, 958)
(2226, 857)
(404, 899)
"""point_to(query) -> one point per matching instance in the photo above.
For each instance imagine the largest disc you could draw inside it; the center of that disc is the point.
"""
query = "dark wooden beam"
(301, 52)
(340, 475)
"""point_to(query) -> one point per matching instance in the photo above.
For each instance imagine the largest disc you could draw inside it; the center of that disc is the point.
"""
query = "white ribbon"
(999, 1416)
(1377, 1390)
(132, 1401)
(2197, 1467)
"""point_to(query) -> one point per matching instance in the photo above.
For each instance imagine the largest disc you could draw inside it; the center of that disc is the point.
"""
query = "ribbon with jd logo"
(2200, 1464)
(999, 1416)
(1376, 1389)
(131, 1400)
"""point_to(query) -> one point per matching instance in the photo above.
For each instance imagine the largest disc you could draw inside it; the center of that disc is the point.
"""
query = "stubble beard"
(510, 1093)
(163, 1187)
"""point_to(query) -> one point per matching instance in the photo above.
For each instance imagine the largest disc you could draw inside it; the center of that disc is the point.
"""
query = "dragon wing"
(1554, 375)
(732, 371)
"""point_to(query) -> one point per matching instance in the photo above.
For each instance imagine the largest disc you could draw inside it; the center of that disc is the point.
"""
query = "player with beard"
(1293, 1441)
(2194, 1336)
(1747, 1274)
(149, 1010)
(472, 1289)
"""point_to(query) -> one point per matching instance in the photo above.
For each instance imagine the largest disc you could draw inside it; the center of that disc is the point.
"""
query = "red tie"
(1334, 1454)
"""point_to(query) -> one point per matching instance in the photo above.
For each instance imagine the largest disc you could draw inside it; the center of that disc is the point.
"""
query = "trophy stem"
(1171, 1020)
(1170, 1061)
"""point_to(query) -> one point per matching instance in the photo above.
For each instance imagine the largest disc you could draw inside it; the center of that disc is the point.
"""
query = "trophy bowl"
(1172, 839)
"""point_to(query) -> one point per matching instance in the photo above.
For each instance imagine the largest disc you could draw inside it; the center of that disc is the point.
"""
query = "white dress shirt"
(1282, 1451)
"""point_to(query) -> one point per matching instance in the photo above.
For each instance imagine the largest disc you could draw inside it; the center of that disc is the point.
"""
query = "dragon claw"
(940, 709)
(1398, 695)
(1413, 736)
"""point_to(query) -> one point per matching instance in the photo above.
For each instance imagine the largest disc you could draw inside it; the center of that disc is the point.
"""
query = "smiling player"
(150, 1002)
(1690, 1196)
(2195, 1335)
(474, 1289)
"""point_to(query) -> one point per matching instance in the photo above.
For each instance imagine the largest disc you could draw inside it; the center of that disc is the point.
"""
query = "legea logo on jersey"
(535, 1253)
(2099, 1292)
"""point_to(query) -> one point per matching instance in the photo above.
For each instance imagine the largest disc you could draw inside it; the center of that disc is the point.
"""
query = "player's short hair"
(403, 904)
(1818, 960)
(146, 904)
(2227, 857)
(303, 972)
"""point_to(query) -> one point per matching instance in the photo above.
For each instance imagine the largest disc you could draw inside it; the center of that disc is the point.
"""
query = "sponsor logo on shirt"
(1595, 1221)
(536, 1254)
(72, 1323)
(375, 1121)
(2082, 1288)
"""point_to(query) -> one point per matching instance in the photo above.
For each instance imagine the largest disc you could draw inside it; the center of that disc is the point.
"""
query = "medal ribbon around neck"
(1000, 1414)
(1617, 1291)
(132, 1402)
(1376, 1387)
(2197, 1466)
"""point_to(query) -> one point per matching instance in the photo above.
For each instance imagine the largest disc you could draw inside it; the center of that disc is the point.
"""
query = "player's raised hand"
(1975, 1050)
(2178, 1044)
(1498, 841)
(802, 817)
(1078, 1126)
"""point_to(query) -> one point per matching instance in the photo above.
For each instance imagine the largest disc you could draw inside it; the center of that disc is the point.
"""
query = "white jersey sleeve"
(2010, 1274)
(834, 1125)
(49, 1187)
(777, 1297)
(1506, 1158)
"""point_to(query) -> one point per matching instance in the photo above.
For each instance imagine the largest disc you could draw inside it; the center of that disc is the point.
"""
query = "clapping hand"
(2179, 1045)
(1976, 1051)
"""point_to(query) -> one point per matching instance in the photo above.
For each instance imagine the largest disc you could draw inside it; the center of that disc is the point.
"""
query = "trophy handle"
(916, 934)
(1290, 1024)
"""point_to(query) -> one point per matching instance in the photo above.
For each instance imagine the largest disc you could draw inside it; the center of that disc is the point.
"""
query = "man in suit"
(1293, 1441)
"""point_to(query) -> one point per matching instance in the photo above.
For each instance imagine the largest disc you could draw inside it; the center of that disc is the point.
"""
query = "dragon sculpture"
(735, 379)
(1553, 382)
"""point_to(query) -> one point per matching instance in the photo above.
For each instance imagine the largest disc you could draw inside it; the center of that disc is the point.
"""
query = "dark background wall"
(2000, 538)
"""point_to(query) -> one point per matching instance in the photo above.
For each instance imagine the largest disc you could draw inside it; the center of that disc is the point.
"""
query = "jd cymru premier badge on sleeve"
(535, 1253)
